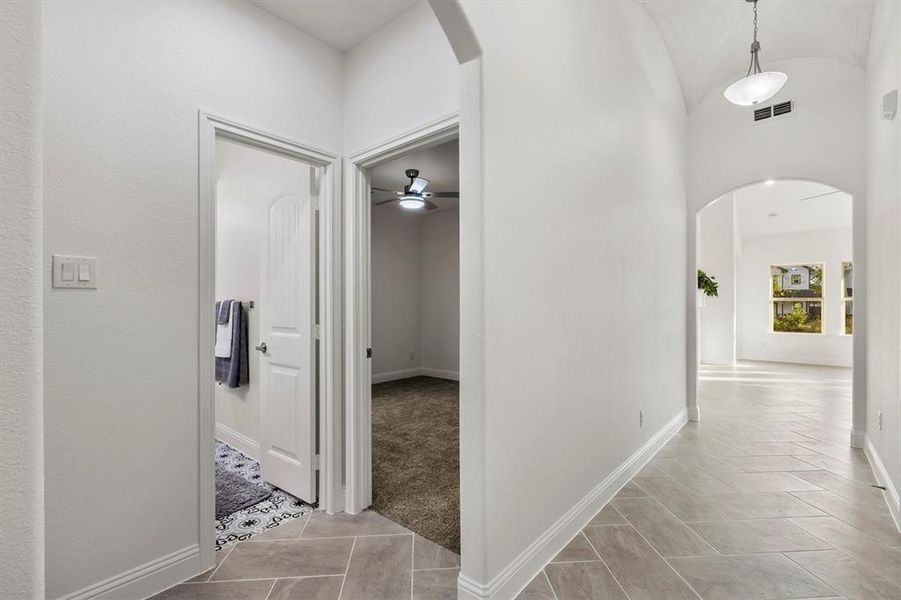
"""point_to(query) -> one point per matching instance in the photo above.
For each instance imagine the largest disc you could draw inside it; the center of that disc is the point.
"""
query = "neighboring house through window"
(847, 298)
(796, 298)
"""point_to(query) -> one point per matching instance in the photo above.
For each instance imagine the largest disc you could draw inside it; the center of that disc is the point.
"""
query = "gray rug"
(234, 492)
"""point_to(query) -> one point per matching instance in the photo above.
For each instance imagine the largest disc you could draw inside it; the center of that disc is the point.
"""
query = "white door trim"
(330, 367)
(358, 490)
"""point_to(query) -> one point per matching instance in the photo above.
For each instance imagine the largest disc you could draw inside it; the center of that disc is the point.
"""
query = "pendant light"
(757, 85)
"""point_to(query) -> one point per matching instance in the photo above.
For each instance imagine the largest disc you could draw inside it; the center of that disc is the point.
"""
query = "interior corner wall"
(716, 257)
(123, 82)
(21, 305)
(828, 246)
(400, 78)
(415, 294)
(396, 284)
(584, 296)
(883, 246)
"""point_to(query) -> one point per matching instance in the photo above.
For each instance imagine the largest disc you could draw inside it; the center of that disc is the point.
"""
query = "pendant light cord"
(755, 48)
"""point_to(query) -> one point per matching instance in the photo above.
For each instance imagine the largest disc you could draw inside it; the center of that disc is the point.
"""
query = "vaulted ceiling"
(709, 40)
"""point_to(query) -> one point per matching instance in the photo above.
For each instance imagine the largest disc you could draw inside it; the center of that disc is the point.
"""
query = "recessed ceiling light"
(769, 182)
(772, 215)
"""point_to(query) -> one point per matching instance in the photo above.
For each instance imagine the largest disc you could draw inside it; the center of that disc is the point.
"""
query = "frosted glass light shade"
(411, 202)
(755, 88)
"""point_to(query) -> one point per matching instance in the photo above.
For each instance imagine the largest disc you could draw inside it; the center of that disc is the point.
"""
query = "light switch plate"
(80, 272)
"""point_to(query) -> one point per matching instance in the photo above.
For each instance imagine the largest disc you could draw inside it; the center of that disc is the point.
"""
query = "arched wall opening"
(824, 141)
(831, 345)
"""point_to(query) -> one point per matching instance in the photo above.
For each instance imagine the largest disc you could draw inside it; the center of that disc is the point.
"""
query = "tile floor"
(764, 498)
(322, 557)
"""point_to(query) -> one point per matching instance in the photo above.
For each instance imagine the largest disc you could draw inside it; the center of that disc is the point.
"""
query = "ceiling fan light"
(412, 202)
(756, 88)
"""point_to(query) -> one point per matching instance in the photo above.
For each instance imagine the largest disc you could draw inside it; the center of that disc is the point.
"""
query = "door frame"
(329, 373)
(357, 231)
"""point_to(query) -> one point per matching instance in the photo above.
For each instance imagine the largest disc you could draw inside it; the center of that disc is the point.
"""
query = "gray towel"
(222, 311)
(234, 371)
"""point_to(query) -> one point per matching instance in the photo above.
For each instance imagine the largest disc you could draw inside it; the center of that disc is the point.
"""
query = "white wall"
(415, 294)
(757, 342)
(123, 84)
(717, 245)
(584, 293)
(883, 245)
(248, 180)
(395, 284)
(824, 140)
(403, 76)
(21, 306)
(439, 340)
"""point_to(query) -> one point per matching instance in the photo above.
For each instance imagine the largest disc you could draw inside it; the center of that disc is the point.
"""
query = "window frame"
(821, 299)
(845, 300)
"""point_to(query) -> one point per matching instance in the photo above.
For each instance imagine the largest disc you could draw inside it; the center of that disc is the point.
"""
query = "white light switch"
(74, 272)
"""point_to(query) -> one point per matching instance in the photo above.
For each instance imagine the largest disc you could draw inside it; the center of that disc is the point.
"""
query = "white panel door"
(287, 370)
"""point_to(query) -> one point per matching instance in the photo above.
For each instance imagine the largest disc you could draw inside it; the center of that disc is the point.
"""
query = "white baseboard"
(858, 439)
(145, 580)
(415, 372)
(440, 373)
(517, 575)
(238, 441)
(395, 375)
(892, 498)
(694, 413)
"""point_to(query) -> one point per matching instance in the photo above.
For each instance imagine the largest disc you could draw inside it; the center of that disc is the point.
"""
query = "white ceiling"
(795, 206)
(439, 164)
(342, 24)
(709, 40)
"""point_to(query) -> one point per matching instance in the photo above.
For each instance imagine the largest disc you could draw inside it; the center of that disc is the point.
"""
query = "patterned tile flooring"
(762, 499)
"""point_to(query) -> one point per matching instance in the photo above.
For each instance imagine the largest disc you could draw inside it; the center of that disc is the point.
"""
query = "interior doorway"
(415, 333)
(265, 365)
(402, 359)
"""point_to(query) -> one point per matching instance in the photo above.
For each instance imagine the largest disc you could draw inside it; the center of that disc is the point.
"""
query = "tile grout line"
(323, 575)
(549, 584)
(679, 575)
(606, 566)
(216, 568)
(271, 587)
(412, 563)
(346, 567)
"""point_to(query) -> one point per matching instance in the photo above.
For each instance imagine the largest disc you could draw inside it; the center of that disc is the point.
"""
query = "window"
(796, 298)
(847, 298)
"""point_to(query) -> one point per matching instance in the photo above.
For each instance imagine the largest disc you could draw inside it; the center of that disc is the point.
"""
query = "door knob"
(262, 347)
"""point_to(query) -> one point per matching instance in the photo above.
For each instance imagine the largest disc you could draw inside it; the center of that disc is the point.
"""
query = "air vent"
(774, 110)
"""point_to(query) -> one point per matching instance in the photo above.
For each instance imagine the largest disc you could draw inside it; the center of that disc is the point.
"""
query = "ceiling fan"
(414, 196)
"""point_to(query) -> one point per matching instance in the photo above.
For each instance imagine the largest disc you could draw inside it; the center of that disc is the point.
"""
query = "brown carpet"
(416, 456)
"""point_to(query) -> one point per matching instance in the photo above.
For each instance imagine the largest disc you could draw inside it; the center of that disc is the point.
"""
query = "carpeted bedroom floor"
(416, 456)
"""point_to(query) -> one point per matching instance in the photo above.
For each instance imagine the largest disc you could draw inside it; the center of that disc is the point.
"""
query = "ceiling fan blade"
(429, 205)
(418, 184)
(372, 188)
(445, 194)
(384, 201)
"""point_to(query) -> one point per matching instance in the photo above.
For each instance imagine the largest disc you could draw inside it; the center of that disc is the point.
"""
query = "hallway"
(764, 498)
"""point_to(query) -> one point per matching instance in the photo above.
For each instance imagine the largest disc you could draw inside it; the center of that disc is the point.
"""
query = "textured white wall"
(123, 84)
(248, 180)
(439, 328)
(829, 247)
(716, 256)
(883, 244)
(824, 140)
(584, 293)
(21, 306)
(403, 76)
